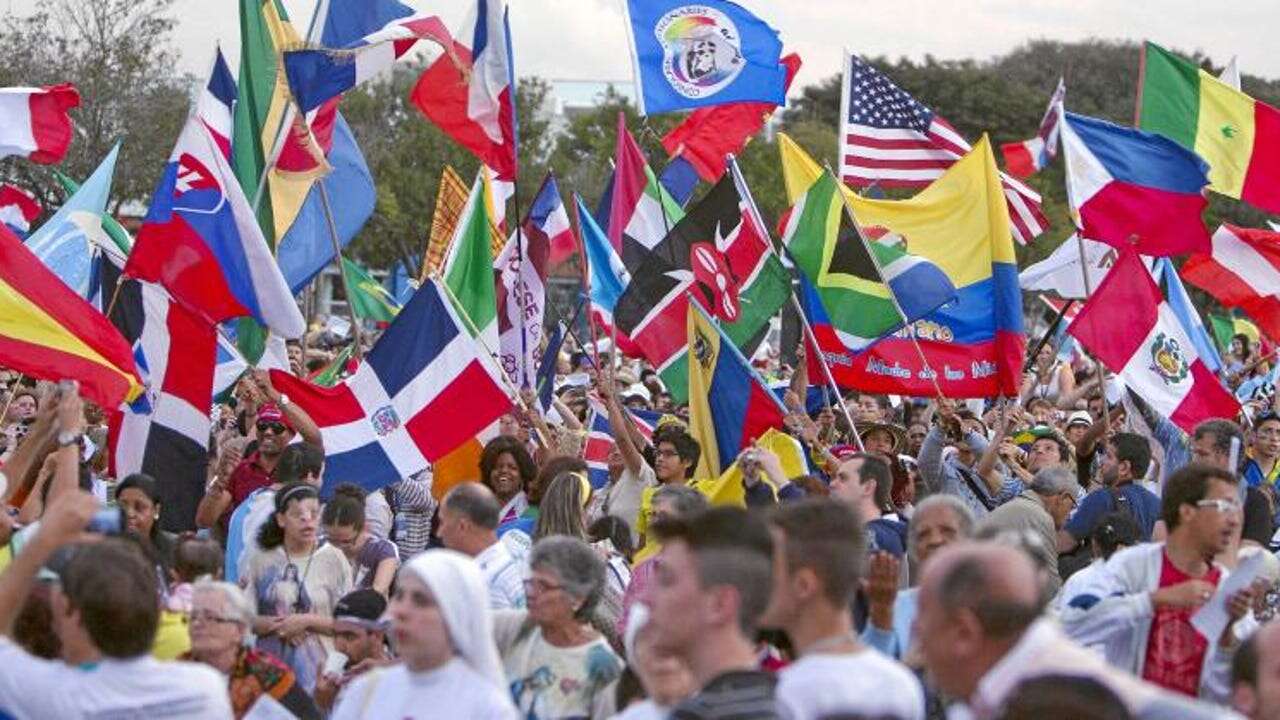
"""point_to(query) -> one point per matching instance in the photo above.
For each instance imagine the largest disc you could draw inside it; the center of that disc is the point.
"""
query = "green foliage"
(119, 55)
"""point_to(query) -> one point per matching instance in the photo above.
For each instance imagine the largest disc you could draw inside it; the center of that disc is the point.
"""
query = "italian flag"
(1238, 136)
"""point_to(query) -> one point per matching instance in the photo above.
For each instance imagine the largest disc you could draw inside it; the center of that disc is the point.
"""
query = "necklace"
(830, 642)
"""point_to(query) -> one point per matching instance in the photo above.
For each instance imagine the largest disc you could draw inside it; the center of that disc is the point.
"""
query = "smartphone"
(107, 521)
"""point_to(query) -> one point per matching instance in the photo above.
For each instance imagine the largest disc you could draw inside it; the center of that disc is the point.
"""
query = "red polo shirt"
(248, 476)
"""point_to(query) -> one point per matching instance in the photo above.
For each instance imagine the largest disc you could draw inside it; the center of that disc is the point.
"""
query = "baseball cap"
(271, 412)
(365, 607)
(1080, 417)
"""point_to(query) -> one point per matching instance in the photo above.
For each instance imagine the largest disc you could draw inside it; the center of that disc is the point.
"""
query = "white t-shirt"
(866, 683)
(451, 690)
(32, 687)
(644, 710)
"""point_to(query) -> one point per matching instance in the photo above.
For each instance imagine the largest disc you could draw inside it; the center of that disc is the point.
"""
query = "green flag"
(468, 269)
(367, 297)
(332, 373)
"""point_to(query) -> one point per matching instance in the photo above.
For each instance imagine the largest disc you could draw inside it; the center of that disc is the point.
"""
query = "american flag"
(890, 139)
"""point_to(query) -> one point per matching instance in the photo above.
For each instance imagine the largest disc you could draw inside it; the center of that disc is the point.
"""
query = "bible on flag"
(1130, 329)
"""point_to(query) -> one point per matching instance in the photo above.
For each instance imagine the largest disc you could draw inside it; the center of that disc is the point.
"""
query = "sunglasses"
(275, 427)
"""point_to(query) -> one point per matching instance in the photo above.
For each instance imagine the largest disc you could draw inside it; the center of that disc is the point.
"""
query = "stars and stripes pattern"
(890, 139)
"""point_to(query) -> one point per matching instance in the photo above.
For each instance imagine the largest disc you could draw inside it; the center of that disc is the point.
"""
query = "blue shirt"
(886, 535)
(1143, 505)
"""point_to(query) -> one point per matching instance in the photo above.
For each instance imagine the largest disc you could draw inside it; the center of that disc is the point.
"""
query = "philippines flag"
(469, 92)
(1125, 183)
(18, 209)
(201, 241)
(1131, 330)
(35, 124)
(165, 431)
(320, 74)
(422, 391)
(1028, 157)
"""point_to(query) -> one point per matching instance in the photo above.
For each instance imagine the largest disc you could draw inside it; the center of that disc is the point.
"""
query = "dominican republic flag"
(521, 273)
(1029, 157)
(165, 431)
(1124, 183)
(18, 209)
(1131, 330)
(1243, 270)
(392, 29)
(469, 92)
(690, 55)
(421, 392)
(201, 241)
(214, 106)
(34, 122)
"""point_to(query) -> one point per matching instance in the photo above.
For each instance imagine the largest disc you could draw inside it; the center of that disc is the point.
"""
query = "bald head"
(476, 503)
(998, 584)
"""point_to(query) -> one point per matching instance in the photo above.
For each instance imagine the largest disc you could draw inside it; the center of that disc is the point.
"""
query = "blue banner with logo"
(693, 54)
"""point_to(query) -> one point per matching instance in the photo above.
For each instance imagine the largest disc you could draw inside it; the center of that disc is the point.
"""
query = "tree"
(118, 53)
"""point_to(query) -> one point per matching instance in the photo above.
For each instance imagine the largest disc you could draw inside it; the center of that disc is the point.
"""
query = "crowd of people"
(1068, 553)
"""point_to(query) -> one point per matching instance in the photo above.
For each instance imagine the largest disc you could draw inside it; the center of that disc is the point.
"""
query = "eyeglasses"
(667, 453)
(275, 427)
(208, 617)
(1071, 496)
(1222, 505)
(542, 586)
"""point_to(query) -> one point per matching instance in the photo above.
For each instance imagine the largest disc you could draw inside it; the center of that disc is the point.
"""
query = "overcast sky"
(584, 40)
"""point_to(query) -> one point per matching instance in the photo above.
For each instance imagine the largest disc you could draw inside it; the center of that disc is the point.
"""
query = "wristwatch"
(283, 401)
(68, 437)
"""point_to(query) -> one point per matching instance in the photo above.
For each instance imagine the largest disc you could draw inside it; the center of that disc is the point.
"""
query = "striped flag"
(600, 439)
(1242, 271)
(34, 122)
(18, 209)
(890, 139)
(1029, 157)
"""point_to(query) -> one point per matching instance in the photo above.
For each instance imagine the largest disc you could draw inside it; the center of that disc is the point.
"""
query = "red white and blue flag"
(1125, 185)
(35, 124)
(317, 75)
(421, 392)
(18, 209)
(200, 240)
(890, 139)
(1129, 328)
(1029, 157)
(214, 106)
(601, 443)
(469, 92)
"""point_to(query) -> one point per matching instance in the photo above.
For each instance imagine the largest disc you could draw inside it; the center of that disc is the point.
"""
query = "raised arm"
(298, 417)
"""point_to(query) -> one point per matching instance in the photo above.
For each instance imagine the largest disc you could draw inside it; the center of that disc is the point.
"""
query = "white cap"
(637, 389)
(1079, 416)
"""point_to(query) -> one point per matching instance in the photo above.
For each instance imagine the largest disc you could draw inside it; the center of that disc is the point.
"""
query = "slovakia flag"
(201, 241)
(34, 122)
(470, 92)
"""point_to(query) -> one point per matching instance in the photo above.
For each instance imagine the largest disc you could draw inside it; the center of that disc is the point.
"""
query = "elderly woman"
(220, 624)
(443, 630)
(557, 664)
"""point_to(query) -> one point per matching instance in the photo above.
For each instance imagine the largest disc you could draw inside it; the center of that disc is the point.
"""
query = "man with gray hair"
(670, 502)
(469, 524)
(1042, 509)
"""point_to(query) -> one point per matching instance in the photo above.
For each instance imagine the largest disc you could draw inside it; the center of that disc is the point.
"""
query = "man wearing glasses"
(1141, 605)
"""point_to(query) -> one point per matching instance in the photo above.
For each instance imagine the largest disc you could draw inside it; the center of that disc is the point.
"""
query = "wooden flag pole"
(356, 334)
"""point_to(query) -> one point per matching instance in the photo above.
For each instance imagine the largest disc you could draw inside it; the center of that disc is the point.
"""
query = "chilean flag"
(422, 392)
(1128, 184)
(34, 122)
(470, 92)
(200, 240)
(18, 209)
(1130, 328)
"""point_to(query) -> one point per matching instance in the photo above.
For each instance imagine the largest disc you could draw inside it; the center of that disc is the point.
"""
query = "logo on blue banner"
(702, 51)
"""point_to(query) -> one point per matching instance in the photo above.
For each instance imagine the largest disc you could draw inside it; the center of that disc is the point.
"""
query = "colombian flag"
(1238, 136)
(729, 406)
(47, 331)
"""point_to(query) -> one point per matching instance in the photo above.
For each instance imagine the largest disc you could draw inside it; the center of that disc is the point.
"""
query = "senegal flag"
(1238, 136)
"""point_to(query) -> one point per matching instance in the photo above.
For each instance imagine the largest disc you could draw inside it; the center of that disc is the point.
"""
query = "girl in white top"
(1048, 378)
(443, 629)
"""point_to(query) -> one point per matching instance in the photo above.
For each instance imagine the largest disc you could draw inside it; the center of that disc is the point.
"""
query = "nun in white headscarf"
(443, 632)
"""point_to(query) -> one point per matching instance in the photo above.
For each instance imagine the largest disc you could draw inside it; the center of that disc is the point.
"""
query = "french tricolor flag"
(1130, 328)
(319, 75)
(34, 122)
(18, 209)
(214, 106)
(470, 91)
(1128, 187)
(1028, 157)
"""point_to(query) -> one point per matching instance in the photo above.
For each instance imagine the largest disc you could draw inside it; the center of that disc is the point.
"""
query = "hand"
(529, 398)
(1189, 593)
(881, 584)
(291, 628)
(71, 410)
(1239, 603)
(262, 383)
(771, 464)
(364, 666)
(67, 516)
(326, 691)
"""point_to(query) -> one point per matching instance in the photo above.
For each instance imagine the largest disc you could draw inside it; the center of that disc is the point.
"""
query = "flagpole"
(906, 324)
(586, 283)
(1031, 356)
(1088, 292)
(758, 221)
(356, 334)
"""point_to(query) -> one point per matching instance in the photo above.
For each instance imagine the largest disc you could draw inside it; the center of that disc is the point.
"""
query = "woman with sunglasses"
(296, 582)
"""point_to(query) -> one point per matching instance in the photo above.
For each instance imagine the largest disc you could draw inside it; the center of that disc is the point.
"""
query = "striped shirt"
(734, 695)
(504, 577)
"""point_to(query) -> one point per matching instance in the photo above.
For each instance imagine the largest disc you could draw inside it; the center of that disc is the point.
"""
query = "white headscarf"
(460, 593)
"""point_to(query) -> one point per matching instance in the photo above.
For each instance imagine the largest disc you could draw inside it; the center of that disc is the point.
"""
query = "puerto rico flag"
(200, 240)
(470, 92)
(423, 391)
(18, 209)
(1029, 157)
(34, 122)
(1129, 328)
